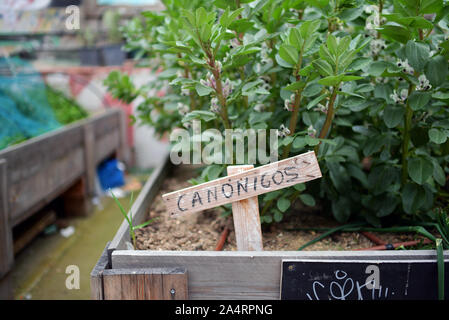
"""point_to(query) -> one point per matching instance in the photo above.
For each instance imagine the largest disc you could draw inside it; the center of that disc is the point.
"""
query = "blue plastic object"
(110, 175)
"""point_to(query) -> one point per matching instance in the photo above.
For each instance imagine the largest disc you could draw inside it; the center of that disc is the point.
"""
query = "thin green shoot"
(440, 263)
(129, 219)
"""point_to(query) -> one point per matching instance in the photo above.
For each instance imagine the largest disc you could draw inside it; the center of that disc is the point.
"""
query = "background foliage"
(363, 83)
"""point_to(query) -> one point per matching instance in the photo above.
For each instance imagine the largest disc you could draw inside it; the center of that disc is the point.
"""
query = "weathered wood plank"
(145, 284)
(142, 287)
(244, 275)
(129, 286)
(240, 186)
(96, 276)
(6, 240)
(245, 213)
(175, 286)
(31, 229)
(112, 285)
(45, 166)
(89, 158)
(37, 190)
(154, 285)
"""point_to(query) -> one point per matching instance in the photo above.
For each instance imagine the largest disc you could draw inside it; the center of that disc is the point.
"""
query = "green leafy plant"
(363, 83)
(111, 23)
(129, 219)
(66, 109)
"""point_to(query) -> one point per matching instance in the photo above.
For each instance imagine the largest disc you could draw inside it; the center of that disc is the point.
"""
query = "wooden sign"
(356, 280)
(244, 185)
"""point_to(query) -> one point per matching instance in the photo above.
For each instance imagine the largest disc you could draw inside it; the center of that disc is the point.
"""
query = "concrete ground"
(40, 269)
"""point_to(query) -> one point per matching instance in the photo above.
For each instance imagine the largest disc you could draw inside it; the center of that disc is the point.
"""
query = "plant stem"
(406, 135)
(273, 76)
(266, 206)
(133, 237)
(329, 117)
(293, 121)
(221, 98)
(298, 95)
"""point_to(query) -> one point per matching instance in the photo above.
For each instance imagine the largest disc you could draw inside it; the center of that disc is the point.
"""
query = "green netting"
(24, 108)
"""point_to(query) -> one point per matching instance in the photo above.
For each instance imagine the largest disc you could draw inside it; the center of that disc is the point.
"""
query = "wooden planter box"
(146, 274)
(61, 162)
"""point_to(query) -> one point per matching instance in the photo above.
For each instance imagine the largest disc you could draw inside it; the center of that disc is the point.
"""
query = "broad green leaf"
(324, 68)
(408, 21)
(283, 204)
(308, 28)
(437, 70)
(315, 101)
(267, 218)
(199, 114)
(272, 195)
(189, 17)
(256, 117)
(277, 216)
(343, 45)
(377, 68)
(359, 63)
(203, 90)
(437, 136)
(351, 14)
(227, 18)
(295, 86)
(419, 169)
(387, 205)
(299, 142)
(441, 95)
(286, 141)
(214, 171)
(431, 6)
(312, 89)
(418, 100)
(289, 54)
(311, 141)
(326, 55)
(307, 199)
(396, 33)
(282, 62)
(335, 80)
(300, 187)
(438, 174)
(393, 116)
(346, 59)
(417, 54)
(332, 45)
(295, 39)
(339, 176)
(341, 208)
(241, 25)
(413, 198)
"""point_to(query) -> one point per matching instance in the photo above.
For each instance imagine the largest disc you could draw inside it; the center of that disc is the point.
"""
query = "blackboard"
(355, 280)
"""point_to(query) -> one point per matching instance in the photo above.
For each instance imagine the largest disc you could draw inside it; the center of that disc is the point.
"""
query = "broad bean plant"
(362, 83)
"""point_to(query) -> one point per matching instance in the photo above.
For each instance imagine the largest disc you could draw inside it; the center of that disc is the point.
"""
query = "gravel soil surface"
(202, 230)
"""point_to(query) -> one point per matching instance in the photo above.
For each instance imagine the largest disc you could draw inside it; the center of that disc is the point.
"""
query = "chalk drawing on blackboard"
(360, 280)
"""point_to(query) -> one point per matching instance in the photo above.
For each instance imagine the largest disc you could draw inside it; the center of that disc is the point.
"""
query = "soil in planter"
(202, 230)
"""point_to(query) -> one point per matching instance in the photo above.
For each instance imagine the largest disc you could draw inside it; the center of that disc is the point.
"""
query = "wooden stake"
(248, 232)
